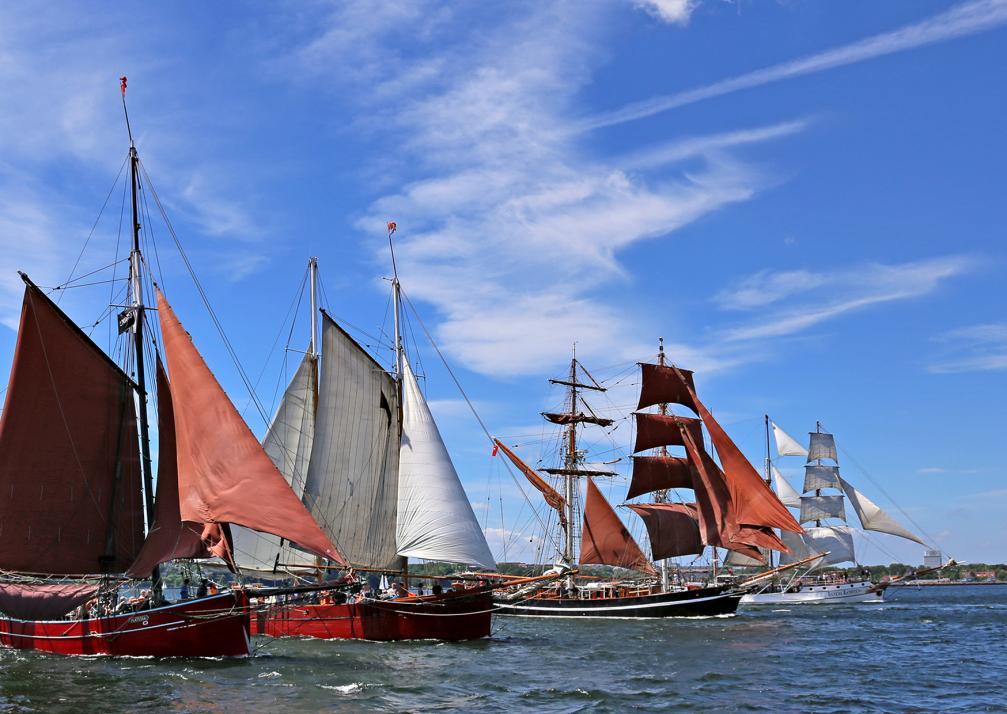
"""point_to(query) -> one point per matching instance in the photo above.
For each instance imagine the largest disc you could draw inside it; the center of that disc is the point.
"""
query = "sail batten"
(435, 518)
(872, 518)
(224, 475)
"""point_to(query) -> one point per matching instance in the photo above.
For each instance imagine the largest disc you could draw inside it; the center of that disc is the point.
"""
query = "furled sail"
(224, 476)
(815, 508)
(816, 477)
(288, 444)
(657, 473)
(69, 453)
(838, 540)
(435, 518)
(169, 537)
(785, 491)
(43, 601)
(786, 445)
(654, 430)
(605, 539)
(755, 503)
(551, 495)
(353, 480)
(872, 518)
(660, 386)
(673, 528)
(823, 446)
(577, 419)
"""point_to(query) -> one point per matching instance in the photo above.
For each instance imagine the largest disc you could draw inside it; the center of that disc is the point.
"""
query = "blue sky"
(804, 199)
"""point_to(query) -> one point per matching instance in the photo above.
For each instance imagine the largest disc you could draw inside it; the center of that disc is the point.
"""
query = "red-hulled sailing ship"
(733, 508)
(75, 471)
(360, 447)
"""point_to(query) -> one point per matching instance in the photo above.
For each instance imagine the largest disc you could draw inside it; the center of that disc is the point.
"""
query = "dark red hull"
(210, 627)
(451, 617)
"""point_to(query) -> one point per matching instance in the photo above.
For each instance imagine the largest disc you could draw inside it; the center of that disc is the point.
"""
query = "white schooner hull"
(824, 594)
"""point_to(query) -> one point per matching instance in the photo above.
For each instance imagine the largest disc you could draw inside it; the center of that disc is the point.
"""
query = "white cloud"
(674, 12)
(960, 21)
(977, 348)
(792, 301)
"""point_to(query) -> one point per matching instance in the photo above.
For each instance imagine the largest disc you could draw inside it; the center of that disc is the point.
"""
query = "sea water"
(924, 650)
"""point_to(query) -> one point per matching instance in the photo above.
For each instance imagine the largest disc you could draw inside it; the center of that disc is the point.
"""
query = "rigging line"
(96, 220)
(64, 288)
(87, 275)
(152, 242)
(465, 396)
(206, 301)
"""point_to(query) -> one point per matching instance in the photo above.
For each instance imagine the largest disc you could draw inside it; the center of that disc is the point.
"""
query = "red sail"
(654, 430)
(551, 495)
(755, 503)
(660, 385)
(169, 537)
(69, 456)
(673, 528)
(605, 540)
(224, 476)
(43, 601)
(656, 473)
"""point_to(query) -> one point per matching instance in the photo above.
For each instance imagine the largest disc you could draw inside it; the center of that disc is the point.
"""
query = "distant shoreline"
(933, 584)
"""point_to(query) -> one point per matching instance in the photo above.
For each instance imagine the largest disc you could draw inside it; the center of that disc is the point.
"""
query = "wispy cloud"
(960, 21)
(673, 12)
(792, 301)
(977, 348)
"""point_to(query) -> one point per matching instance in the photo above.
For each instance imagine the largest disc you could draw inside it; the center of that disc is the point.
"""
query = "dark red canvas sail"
(224, 476)
(660, 386)
(656, 473)
(43, 601)
(551, 495)
(673, 528)
(654, 430)
(70, 497)
(755, 503)
(169, 537)
(605, 539)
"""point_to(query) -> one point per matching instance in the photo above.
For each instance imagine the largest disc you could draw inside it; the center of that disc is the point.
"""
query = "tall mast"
(135, 261)
(769, 473)
(396, 307)
(313, 281)
(570, 465)
(662, 495)
(818, 491)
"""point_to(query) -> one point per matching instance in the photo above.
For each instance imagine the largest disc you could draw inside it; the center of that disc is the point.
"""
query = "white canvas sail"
(288, 443)
(872, 518)
(822, 446)
(815, 508)
(740, 560)
(435, 518)
(786, 492)
(838, 540)
(352, 484)
(798, 548)
(786, 445)
(816, 477)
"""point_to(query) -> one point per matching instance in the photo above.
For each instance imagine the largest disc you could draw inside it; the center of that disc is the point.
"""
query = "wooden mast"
(138, 308)
(313, 355)
(570, 463)
(769, 474)
(396, 309)
(661, 496)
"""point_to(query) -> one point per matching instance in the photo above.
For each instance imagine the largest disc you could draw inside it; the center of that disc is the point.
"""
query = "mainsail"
(224, 475)
(605, 539)
(288, 444)
(353, 477)
(69, 455)
(435, 518)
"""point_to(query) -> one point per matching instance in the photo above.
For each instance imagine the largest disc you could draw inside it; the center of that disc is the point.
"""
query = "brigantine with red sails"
(76, 474)
(357, 442)
(733, 509)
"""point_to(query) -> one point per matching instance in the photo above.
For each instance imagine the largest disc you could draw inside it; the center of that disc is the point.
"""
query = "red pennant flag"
(495, 449)
(123, 80)
(391, 227)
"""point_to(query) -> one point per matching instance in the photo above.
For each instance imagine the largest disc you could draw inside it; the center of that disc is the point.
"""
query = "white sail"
(815, 508)
(740, 560)
(798, 548)
(816, 477)
(785, 491)
(838, 540)
(435, 518)
(872, 518)
(288, 443)
(822, 446)
(352, 483)
(786, 445)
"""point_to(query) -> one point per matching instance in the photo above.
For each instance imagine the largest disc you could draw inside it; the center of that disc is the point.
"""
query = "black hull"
(704, 602)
